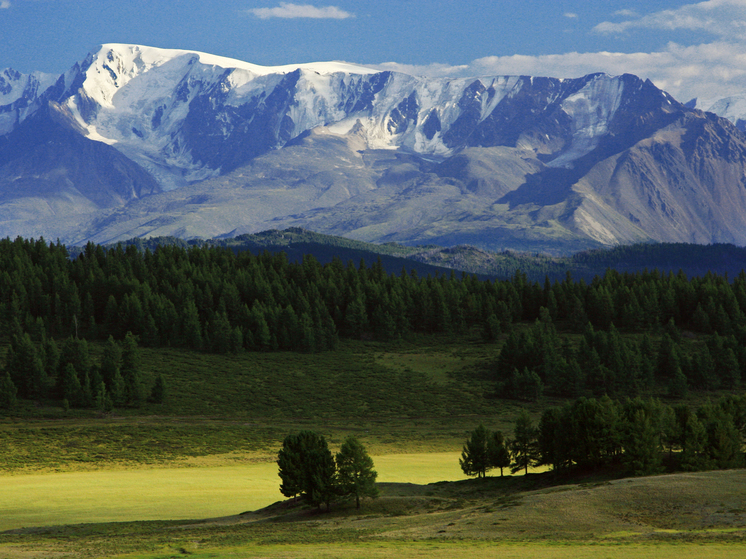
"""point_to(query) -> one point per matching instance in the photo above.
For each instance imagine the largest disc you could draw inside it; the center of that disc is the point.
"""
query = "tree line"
(214, 299)
(643, 436)
(538, 360)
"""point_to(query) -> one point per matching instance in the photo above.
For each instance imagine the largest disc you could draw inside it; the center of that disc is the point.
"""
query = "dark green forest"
(622, 335)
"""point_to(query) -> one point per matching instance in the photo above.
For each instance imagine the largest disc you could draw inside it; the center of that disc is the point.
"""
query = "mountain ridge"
(522, 162)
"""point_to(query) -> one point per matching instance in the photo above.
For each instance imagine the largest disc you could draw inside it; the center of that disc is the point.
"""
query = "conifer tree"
(524, 448)
(642, 444)
(497, 450)
(71, 389)
(355, 473)
(103, 400)
(8, 391)
(694, 445)
(130, 370)
(475, 458)
(26, 368)
(158, 393)
(307, 468)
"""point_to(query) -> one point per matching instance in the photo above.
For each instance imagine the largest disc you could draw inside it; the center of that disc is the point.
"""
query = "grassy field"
(139, 482)
(465, 550)
(247, 403)
(167, 493)
(681, 515)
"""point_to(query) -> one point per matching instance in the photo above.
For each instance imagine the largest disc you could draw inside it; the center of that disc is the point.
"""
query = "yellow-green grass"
(176, 493)
(435, 364)
(461, 550)
(661, 516)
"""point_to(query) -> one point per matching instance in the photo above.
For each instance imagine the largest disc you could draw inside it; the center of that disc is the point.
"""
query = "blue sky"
(688, 48)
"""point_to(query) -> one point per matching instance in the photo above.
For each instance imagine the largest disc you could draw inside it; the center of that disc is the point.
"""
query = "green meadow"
(195, 476)
(168, 493)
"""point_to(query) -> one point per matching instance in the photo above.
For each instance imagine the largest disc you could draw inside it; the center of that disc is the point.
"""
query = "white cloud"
(703, 71)
(287, 10)
(571, 15)
(722, 18)
(4, 5)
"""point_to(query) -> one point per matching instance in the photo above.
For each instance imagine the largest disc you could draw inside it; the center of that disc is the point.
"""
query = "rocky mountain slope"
(138, 141)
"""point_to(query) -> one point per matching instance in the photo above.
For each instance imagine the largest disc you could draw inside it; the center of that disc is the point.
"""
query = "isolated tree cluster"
(644, 436)
(484, 451)
(308, 469)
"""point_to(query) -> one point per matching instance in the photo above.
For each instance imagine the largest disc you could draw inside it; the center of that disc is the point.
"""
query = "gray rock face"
(150, 142)
(50, 175)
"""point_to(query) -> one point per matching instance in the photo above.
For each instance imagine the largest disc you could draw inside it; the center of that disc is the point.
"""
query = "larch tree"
(474, 459)
(524, 448)
(307, 468)
(355, 473)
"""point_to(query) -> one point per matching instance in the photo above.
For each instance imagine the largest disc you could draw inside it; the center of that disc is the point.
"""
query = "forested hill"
(297, 243)
(693, 260)
(214, 299)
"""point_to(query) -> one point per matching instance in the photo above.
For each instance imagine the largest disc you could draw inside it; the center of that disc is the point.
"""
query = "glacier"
(147, 102)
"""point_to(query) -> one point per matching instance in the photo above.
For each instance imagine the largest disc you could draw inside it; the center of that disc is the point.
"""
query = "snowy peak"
(732, 107)
(18, 93)
(186, 116)
(355, 151)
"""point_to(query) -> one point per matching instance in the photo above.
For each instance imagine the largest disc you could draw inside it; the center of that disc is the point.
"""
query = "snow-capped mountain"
(206, 145)
(732, 107)
(17, 95)
(185, 116)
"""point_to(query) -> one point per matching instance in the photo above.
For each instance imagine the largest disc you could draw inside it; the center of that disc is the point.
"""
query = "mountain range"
(136, 141)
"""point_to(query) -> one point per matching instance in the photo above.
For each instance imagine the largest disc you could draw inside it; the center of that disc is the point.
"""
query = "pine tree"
(190, 327)
(355, 318)
(475, 458)
(355, 473)
(74, 352)
(131, 370)
(290, 464)
(220, 334)
(694, 445)
(524, 448)
(111, 361)
(8, 391)
(118, 390)
(26, 368)
(497, 451)
(642, 445)
(306, 467)
(103, 400)
(71, 389)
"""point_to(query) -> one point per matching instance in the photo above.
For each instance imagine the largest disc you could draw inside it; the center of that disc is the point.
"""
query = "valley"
(184, 476)
(145, 385)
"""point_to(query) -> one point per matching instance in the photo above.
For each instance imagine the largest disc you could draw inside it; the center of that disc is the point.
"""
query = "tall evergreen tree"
(497, 451)
(130, 370)
(306, 467)
(524, 448)
(355, 473)
(8, 391)
(158, 393)
(475, 457)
